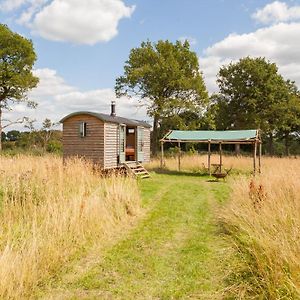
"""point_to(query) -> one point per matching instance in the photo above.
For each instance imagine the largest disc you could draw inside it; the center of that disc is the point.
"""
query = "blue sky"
(82, 45)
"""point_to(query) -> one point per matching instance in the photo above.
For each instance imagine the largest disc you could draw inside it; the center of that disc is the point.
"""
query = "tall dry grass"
(263, 218)
(49, 213)
(198, 163)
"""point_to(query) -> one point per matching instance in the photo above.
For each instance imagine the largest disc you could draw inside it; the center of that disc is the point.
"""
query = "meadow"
(262, 219)
(51, 213)
(185, 237)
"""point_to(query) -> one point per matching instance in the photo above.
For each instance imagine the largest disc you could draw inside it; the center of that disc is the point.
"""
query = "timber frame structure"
(215, 137)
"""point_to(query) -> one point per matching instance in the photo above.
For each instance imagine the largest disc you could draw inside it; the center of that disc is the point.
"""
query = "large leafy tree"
(165, 77)
(289, 115)
(17, 57)
(252, 95)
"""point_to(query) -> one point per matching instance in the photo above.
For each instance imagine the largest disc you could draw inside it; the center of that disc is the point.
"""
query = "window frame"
(83, 129)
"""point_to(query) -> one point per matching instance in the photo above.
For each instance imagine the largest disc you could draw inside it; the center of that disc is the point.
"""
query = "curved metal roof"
(108, 118)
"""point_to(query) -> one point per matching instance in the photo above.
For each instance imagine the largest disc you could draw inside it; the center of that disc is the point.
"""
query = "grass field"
(175, 252)
(51, 214)
(70, 233)
(262, 219)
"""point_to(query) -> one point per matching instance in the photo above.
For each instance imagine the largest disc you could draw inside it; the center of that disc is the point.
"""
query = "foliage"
(54, 146)
(3, 136)
(254, 95)
(13, 135)
(47, 139)
(166, 79)
(17, 57)
(252, 90)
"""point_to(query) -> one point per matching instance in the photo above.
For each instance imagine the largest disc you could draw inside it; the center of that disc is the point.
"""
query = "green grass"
(175, 252)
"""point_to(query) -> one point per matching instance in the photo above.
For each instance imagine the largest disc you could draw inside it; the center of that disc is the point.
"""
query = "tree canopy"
(165, 77)
(17, 57)
(254, 95)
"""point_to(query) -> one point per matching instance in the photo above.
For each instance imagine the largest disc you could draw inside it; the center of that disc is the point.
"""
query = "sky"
(82, 45)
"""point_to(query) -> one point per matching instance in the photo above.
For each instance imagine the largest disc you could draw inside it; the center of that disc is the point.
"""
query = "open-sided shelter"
(109, 141)
(215, 137)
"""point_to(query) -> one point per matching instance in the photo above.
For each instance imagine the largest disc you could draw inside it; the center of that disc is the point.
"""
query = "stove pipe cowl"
(113, 108)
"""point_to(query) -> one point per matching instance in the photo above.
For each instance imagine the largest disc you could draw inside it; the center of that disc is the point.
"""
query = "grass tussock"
(263, 218)
(49, 213)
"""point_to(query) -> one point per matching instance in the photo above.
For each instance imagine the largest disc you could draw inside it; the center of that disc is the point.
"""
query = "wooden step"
(136, 169)
(145, 176)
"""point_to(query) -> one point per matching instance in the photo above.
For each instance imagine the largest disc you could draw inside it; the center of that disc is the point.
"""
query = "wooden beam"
(254, 158)
(179, 157)
(212, 142)
(220, 150)
(259, 157)
(162, 154)
(209, 153)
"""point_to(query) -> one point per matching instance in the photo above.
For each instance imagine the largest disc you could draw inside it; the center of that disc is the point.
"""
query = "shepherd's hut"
(107, 140)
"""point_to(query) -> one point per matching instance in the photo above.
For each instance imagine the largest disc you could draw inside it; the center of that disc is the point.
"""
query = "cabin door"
(122, 143)
(140, 144)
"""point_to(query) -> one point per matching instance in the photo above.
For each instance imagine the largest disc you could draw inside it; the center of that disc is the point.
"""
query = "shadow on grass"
(186, 173)
(216, 180)
(178, 173)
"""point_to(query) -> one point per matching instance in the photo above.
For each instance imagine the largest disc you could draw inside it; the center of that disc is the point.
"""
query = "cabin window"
(130, 130)
(122, 136)
(140, 139)
(82, 129)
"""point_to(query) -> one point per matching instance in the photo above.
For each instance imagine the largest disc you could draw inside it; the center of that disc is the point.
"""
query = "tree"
(13, 135)
(289, 115)
(17, 57)
(3, 136)
(252, 93)
(166, 79)
(46, 132)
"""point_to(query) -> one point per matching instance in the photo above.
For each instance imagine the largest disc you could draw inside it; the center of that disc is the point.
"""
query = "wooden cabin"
(107, 140)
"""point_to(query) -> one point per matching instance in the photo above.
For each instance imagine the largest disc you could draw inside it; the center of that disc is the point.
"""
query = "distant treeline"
(36, 142)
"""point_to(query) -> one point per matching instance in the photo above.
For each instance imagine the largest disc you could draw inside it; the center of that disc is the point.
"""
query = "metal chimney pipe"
(113, 108)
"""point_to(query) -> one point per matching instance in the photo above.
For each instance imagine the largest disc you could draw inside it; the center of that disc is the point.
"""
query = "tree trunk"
(271, 145)
(237, 149)
(286, 143)
(155, 136)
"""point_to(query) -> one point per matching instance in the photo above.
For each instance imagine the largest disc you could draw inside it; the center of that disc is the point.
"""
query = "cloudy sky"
(82, 44)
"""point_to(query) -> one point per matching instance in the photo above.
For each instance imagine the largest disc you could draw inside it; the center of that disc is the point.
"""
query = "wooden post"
(162, 155)
(259, 157)
(179, 157)
(209, 168)
(254, 158)
(220, 150)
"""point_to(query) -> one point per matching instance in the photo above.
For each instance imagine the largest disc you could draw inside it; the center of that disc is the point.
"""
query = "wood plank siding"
(111, 152)
(146, 148)
(91, 147)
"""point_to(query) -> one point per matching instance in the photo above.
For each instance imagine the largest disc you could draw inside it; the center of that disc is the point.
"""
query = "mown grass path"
(175, 252)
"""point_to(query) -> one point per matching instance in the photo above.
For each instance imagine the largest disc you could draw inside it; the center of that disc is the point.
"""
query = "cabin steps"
(136, 169)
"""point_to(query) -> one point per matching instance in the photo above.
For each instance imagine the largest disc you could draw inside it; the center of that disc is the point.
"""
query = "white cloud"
(33, 7)
(191, 40)
(277, 12)
(279, 43)
(75, 21)
(56, 99)
(9, 5)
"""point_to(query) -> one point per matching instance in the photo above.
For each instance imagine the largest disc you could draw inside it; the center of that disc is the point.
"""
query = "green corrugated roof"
(210, 135)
